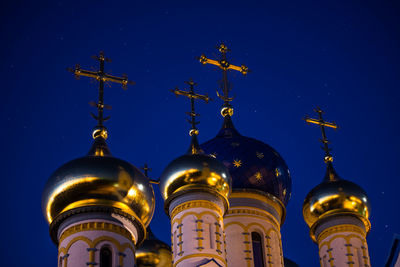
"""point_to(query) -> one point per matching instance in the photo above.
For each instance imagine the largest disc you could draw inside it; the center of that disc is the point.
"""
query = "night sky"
(341, 56)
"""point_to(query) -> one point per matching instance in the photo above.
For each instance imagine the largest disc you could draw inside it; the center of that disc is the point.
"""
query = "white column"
(343, 245)
(197, 230)
(248, 213)
(80, 243)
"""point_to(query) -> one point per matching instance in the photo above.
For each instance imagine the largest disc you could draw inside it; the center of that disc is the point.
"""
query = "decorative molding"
(218, 237)
(337, 232)
(246, 242)
(180, 242)
(173, 250)
(340, 229)
(91, 262)
(93, 243)
(199, 231)
(365, 254)
(347, 238)
(349, 255)
(186, 209)
(269, 247)
(64, 259)
(54, 226)
(72, 241)
(255, 212)
(96, 226)
(196, 204)
(121, 257)
(197, 215)
(224, 238)
(200, 255)
(268, 199)
(247, 227)
(266, 236)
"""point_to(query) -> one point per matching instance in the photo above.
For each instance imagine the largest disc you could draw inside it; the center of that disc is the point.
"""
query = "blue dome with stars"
(252, 164)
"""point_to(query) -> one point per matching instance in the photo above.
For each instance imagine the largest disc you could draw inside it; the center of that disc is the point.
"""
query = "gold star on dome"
(260, 155)
(214, 155)
(237, 163)
(284, 192)
(278, 172)
(258, 176)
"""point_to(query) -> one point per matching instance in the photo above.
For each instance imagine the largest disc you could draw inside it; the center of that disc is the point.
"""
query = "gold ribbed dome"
(195, 172)
(99, 180)
(335, 196)
(153, 252)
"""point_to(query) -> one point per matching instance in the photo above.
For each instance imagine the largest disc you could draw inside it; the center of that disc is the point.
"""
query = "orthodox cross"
(224, 64)
(192, 96)
(102, 77)
(320, 121)
(146, 169)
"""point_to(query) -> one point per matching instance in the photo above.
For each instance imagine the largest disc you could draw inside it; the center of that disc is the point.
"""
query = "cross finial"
(192, 96)
(102, 77)
(320, 121)
(146, 169)
(224, 65)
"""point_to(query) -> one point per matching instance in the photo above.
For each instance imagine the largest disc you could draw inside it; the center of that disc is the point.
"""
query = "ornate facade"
(226, 200)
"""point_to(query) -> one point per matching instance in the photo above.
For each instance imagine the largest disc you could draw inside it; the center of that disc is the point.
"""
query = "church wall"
(197, 233)
(80, 244)
(343, 245)
(239, 223)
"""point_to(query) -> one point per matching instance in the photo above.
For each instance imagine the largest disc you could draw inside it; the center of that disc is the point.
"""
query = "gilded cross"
(102, 77)
(320, 121)
(146, 169)
(224, 65)
(192, 96)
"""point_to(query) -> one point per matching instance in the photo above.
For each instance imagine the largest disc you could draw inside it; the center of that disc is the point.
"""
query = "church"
(226, 199)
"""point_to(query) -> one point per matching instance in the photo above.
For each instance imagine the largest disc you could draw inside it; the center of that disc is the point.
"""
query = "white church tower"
(260, 189)
(226, 200)
(98, 206)
(337, 213)
(261, 186)
(195, 188)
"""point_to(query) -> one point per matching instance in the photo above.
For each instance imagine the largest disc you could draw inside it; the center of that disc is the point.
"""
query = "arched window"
(258, 251)
(105, 257)
(60, 261)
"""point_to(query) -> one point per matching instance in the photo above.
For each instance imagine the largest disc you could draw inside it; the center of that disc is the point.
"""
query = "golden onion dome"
(99, 180)
(335, 196)
(194, 172)
(153, 252)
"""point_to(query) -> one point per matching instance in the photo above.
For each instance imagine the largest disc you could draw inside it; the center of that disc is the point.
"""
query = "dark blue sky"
(341, 56)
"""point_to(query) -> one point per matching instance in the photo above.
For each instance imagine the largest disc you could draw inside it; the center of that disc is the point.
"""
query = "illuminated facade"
(226, 200)
(337, 213)
(98, 206)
